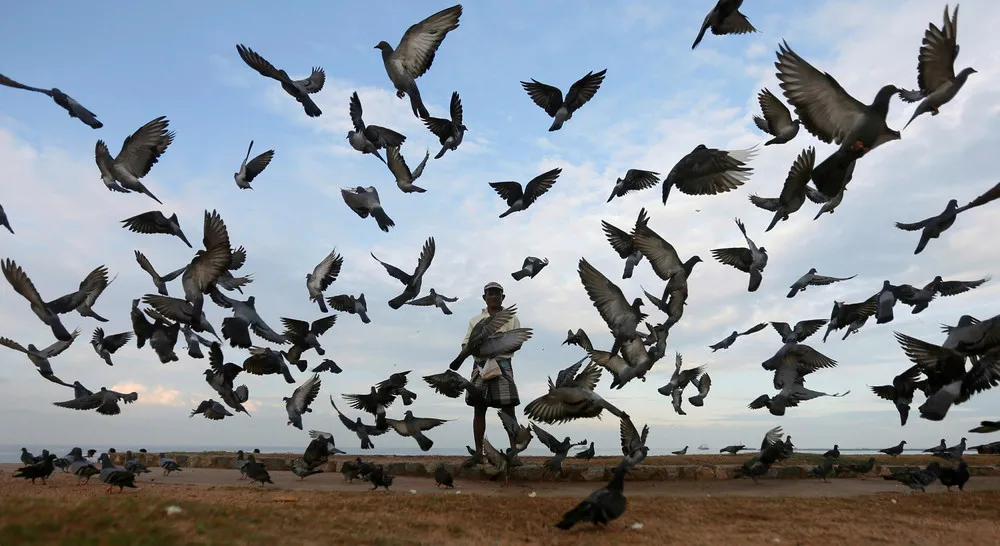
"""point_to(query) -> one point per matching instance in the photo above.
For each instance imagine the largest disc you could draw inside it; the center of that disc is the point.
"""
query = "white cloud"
(646, 117)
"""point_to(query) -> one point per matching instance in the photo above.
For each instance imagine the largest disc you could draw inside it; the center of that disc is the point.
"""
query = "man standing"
(499, 392)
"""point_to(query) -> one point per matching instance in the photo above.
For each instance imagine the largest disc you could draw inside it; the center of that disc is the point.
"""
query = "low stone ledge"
(535, 472)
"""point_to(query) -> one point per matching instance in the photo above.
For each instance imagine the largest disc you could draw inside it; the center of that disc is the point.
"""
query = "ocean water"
(12, 453)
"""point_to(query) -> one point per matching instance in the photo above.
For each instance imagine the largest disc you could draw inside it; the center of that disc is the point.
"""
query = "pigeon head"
(960, 76)
(952, 204)
(384, 46)
(812, 270)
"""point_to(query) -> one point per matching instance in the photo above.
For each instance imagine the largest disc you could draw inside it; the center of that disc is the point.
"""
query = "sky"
(658, 101)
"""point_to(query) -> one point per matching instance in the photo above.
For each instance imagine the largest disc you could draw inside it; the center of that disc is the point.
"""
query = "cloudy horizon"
(658, 101)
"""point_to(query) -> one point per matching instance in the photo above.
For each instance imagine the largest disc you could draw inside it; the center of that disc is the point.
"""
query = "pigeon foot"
(399, 94)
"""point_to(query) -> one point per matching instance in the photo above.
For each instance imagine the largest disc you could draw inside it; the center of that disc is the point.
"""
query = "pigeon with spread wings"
(725, 18)
(450, 132)
(571, 397)
(411, 281)
(399, 169)
(624, 243)
(551, 100)
(414, 427)
(250, 169)
(777, 119)
(364, 202)
(300, 400)
(73, 108)
(368, 139)
(621, 316)
(708, 171)
(811, 278)
(731, 338)
(519, 199)
(139, 152)
(415, 52)
(40, 358)
(322, 277)
(21, 284)
(752, 259)
(363, 431)
(298, 89)
(933, 227)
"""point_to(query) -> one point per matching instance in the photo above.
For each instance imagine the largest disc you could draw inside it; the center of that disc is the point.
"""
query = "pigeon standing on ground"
(450, 132)
(725, 18)
(364, 202)
(443, 477)
(415, 52)
(140, 151)
(916, 479)
(322, 276)
(434, 299)
(551, 100)
(811, 278)
(958, 476)
(249, 171)
(708, 171)
(399, 169)
(933, 227)
(368, 139)
(301, 399)
(777, 120)
(75, 109)
(519, 198)
(895, 450)
(298, 89)
(531, 267)
(936, 79)
(602, 506)
(256, 472)
(169, 465)
(411, 282)
(586, 454)
(833, 453)
(752, 259)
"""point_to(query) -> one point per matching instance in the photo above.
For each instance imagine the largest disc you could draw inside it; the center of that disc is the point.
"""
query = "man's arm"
(515, 323)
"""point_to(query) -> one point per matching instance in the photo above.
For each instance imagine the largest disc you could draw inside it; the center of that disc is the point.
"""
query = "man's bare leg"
(479, 429)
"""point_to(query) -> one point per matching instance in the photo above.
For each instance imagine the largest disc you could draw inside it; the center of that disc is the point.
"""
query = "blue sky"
(132, 63)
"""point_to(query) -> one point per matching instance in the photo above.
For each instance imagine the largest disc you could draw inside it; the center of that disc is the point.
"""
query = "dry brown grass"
(63, 514)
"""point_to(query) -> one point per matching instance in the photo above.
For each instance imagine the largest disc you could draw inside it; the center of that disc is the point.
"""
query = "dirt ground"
(216, 508)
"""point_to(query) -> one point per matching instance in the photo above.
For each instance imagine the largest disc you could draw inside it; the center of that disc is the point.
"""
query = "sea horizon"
(10, 453)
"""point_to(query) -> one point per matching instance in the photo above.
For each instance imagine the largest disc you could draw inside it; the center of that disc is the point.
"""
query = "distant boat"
(703, 447)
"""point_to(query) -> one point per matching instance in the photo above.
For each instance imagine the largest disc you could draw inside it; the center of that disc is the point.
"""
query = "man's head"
(493, 295)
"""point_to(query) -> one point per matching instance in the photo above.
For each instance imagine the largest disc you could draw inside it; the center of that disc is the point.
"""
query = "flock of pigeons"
(964, 364)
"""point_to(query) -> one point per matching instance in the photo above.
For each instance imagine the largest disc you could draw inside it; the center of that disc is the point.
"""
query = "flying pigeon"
(752, 259)
(249, 171)
(322, 276)
(155, 222)
(708, 171)
(531, 267)
(450, 132)
(299, 89)
(368, 139)
(414, 54)
(777, 120)
(635, 180)
(434, 299)
(105, 346)
(519, 199)
(811, 278)
(75, 109)
(404, 177)
(301, 399)
(365, 201)
(550, 98)
(347, 303)
(725, 18)
(411, 282)
(140, 151)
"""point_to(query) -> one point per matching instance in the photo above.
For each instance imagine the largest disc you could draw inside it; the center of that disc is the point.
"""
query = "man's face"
(493, 298)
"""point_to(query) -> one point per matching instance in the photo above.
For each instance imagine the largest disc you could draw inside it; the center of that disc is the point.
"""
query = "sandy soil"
(217, 508)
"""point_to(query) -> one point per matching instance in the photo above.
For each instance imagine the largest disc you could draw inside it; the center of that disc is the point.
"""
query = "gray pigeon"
(832, 115)
(453, 384)
(813, 279)
(602, 506)
(895, 450)
(434, 299)
(304, 336)
(411, 282)
(75, 109)
(519, 199)
(485, 340)
(621, 316)
(103, 401)
(363, 431)
(368, 139)
(220, 377)
(633, 443)
(635, 361)
(578, 338)
(752, 259)
(450, 132)
(708, 171)
(531, 267)
(327, 366)
(777, 120)
(4, 221)
(678, 381)
(731, 338)
(624, 243)
(169, 465)
(160, 282)
(347, 303)
(933, 227)
(322, 276)
(245, 317)
(399, 169)
(551, 100)
(793, 192)
(571, 397)
(140, 151)
(40, 358)
(802, 330)
(559, 449)
(936, 79)
(298, 89)
(105, 346)
(155, 222)
(211, 410)
(365, 201)
(668, 267)
(845, 314)
(725, 18)
(635, 180)
(22, 284)
(265, 361)
(414, 54)
(162, 334)
(249, 171)
(180, 311)
(900, 392)
(194, 342)
(301, 399)
(414, 427)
